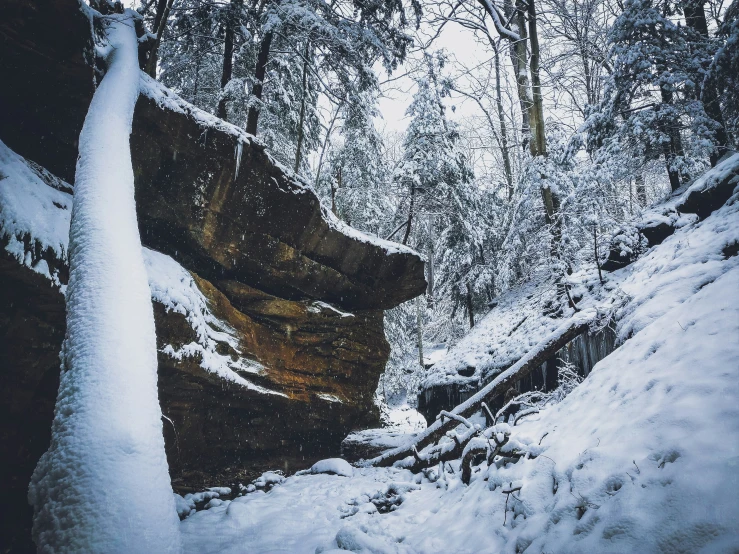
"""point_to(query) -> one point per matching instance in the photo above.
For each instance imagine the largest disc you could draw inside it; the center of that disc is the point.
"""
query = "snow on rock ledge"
(35, 209)
(175, 289)
(214, 200)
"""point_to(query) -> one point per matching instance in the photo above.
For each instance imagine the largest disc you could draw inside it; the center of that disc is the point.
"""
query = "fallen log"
(533, 359)
(478, 448)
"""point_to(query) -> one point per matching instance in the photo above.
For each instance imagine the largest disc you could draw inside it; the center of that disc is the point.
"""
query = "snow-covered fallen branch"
(533, 359)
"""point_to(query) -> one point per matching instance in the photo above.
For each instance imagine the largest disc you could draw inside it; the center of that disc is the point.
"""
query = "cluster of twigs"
(472, 445)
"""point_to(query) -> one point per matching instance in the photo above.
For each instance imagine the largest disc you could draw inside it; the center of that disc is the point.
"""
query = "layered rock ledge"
(271, 336)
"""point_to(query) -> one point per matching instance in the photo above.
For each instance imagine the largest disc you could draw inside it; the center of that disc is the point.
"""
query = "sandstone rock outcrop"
(300, 295)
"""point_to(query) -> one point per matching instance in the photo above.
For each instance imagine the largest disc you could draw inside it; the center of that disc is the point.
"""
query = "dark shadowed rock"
(31, 332)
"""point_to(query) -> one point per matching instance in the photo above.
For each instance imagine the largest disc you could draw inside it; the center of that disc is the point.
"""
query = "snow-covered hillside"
(641, 457)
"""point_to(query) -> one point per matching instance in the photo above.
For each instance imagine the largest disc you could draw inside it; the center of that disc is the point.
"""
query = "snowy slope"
(642, 457)
(522, 316)
(502, 337)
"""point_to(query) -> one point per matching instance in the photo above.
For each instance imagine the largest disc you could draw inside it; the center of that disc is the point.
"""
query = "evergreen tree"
(652, 103)
(724, 72)
(442, 200)
(357, 178)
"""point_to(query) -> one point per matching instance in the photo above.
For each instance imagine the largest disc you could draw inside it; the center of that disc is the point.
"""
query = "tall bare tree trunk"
(258, 87)
(161, 6)
(641, 190)
(419, 331)
(228, 52)
(470, 309)
(430, 286)
(519, 61)
(160, 23)
(538, 145)
(334, 190)
(301, 122)
(674, 147)
(503, 128)
(410, 214)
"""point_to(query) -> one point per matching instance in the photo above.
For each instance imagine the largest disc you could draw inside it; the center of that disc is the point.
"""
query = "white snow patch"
(404, 418)
(336, 466)
(499, 339)
(329, 398)
(433, 354)
(33, 215)
(389, 247)
(169, 100)
(268, 478)
(317, 307)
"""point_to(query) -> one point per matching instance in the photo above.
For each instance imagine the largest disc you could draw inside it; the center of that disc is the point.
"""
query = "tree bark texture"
(258, 88)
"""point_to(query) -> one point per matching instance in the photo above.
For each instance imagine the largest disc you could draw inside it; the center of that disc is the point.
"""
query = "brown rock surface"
(324, 366)
(259, 245)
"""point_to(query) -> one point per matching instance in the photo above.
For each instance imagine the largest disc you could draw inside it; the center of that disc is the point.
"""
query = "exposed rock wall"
(31, 332)
(300, 294)
(325, 365)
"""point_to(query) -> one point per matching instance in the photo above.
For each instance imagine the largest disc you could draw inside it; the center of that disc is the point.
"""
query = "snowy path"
(104, 486)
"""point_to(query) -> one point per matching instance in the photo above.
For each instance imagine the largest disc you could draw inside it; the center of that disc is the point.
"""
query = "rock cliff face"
(288, 358)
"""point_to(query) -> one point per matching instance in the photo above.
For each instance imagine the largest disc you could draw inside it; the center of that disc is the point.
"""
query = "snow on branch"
(566, 332)
(502, 29)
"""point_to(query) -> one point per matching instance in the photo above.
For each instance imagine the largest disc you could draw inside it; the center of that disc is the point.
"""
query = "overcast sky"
(459, 43)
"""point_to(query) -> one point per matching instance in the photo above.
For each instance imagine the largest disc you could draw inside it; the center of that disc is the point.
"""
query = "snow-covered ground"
(512, 327)
(642, 457)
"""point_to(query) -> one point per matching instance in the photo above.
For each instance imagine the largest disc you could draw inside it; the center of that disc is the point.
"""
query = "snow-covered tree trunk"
(103, 485)
(419, 330)
(258, 87)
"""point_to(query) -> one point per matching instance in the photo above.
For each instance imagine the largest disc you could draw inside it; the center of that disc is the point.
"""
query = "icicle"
(239, 149)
